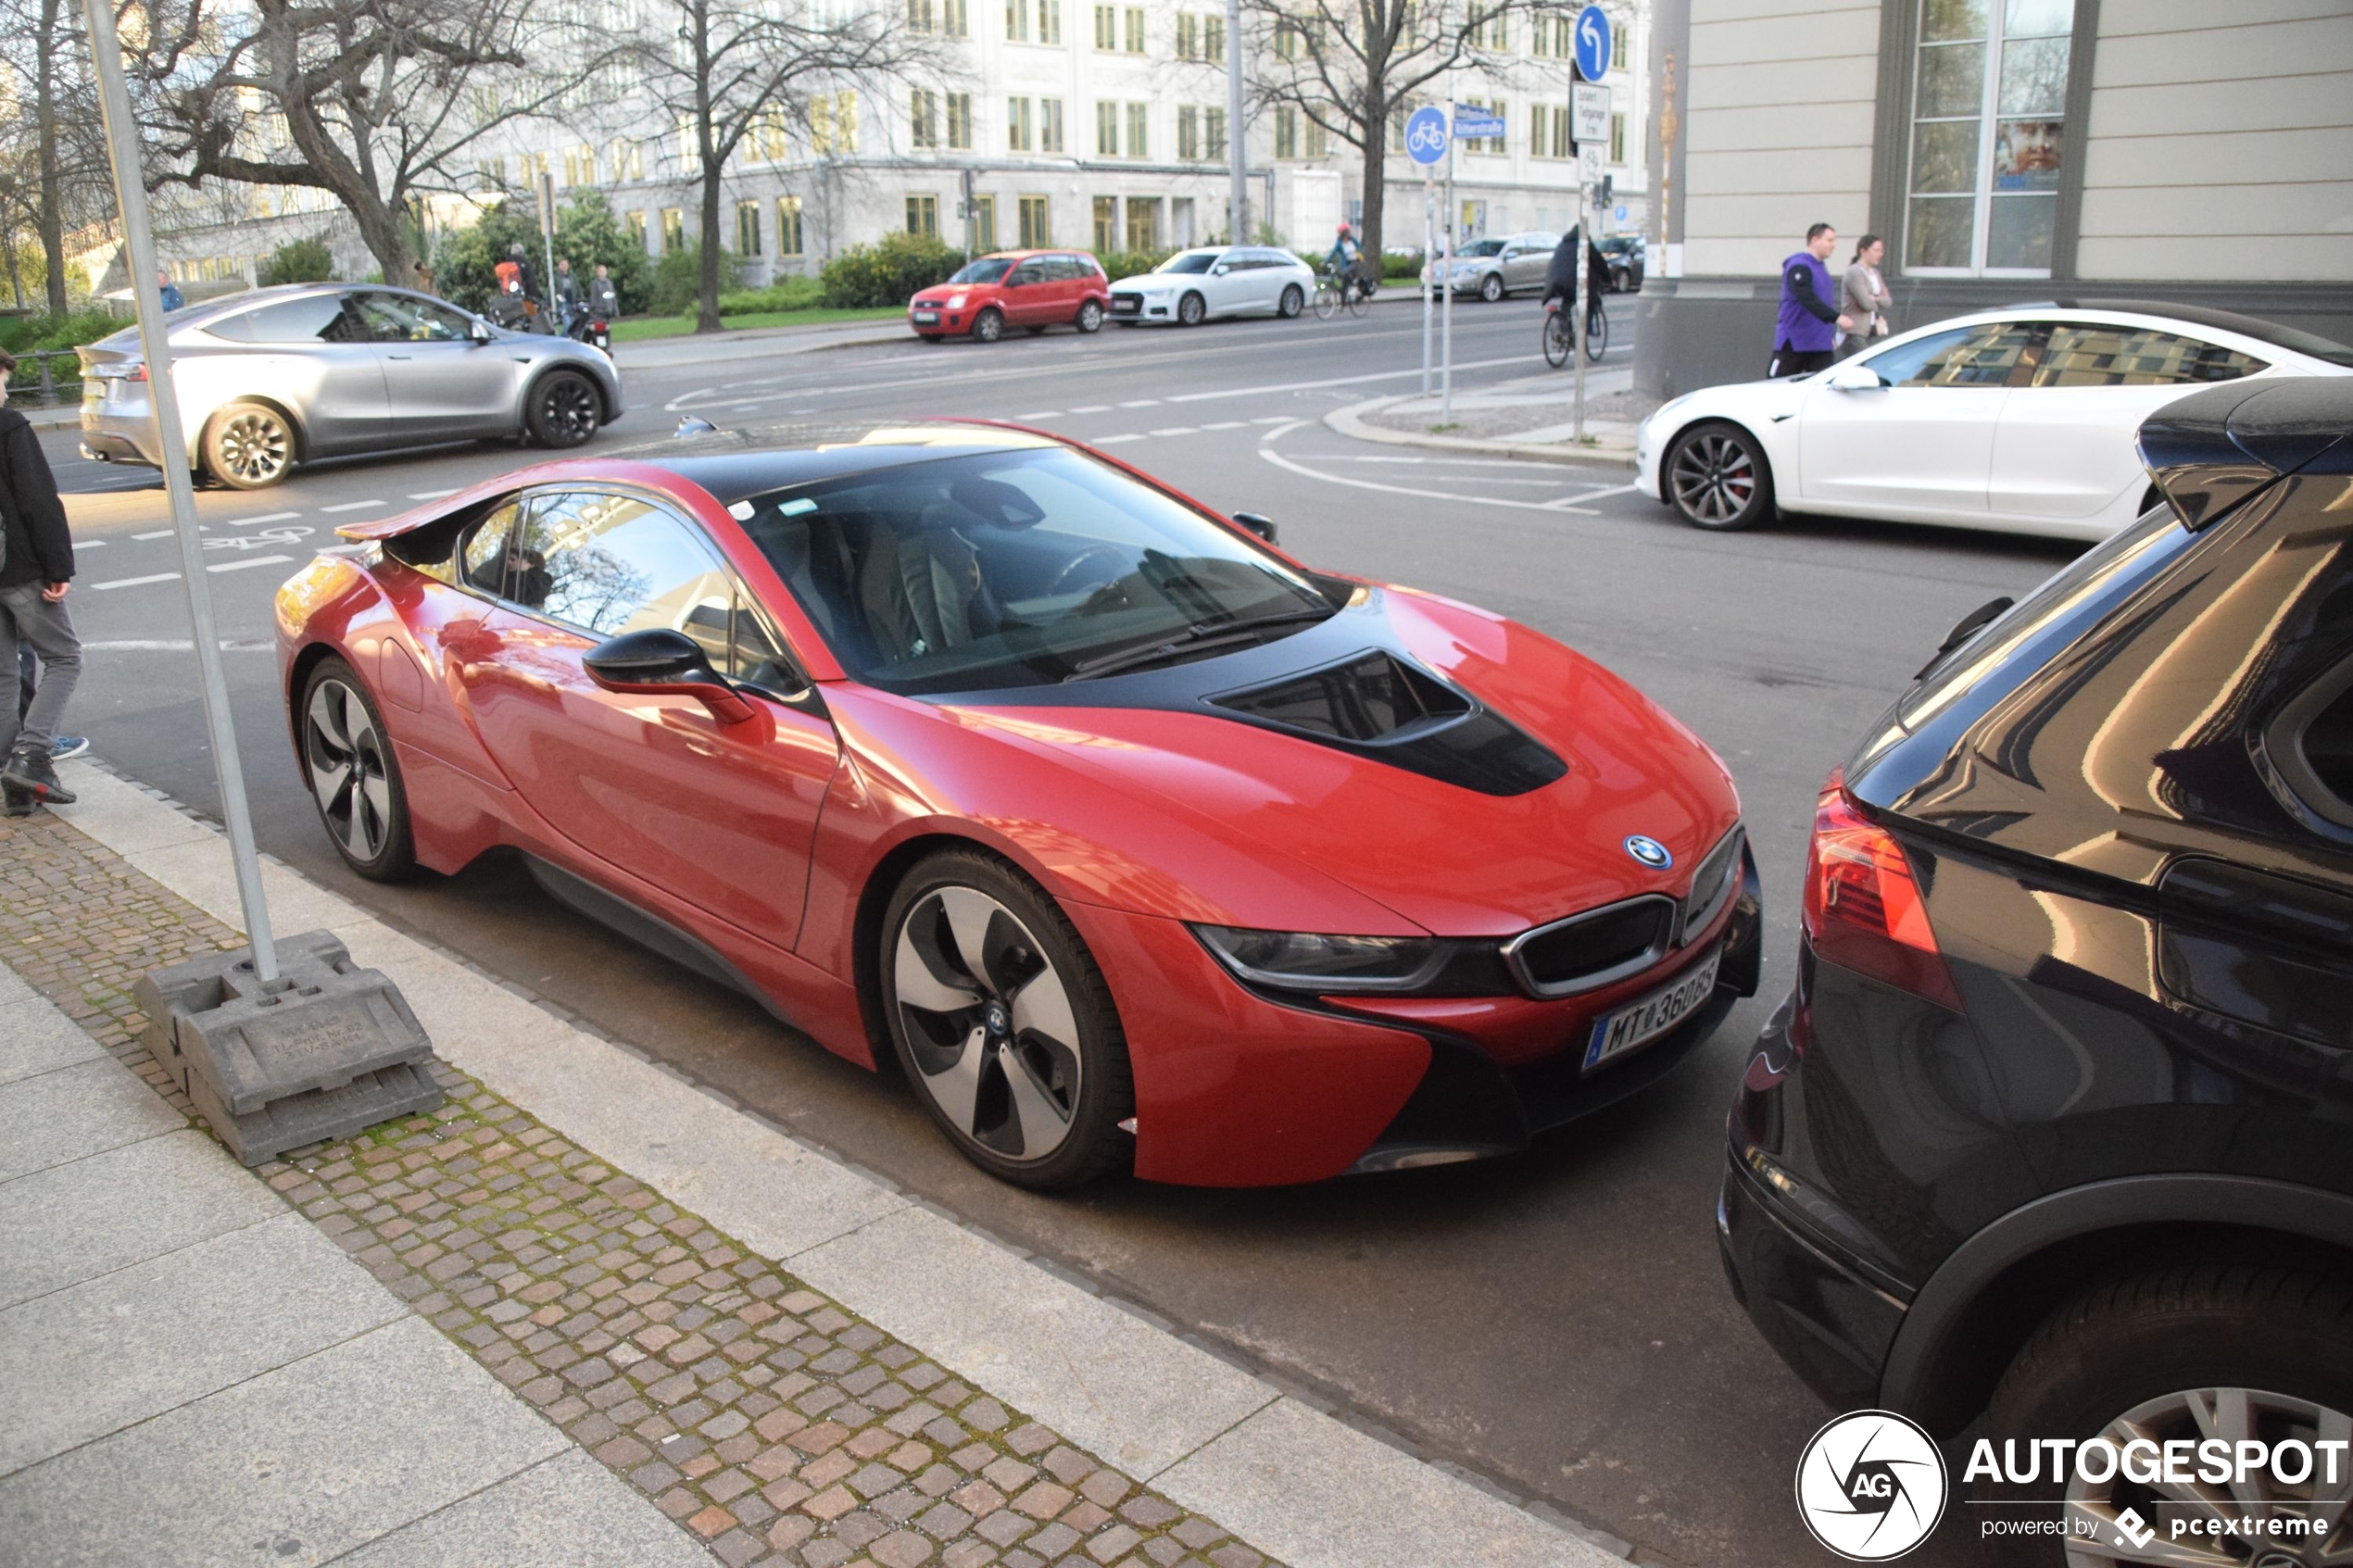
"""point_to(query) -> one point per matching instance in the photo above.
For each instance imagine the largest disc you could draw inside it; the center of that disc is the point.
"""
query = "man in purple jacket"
(1809, 323)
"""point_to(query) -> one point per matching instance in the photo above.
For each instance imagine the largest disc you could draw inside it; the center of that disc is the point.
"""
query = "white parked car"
(2021, 419)
(1193, 285)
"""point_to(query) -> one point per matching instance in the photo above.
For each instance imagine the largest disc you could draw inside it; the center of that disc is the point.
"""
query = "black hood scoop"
(1384, 709)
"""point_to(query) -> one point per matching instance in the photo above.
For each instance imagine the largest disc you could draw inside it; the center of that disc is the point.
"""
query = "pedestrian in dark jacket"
(35, 574)
(1807, 330)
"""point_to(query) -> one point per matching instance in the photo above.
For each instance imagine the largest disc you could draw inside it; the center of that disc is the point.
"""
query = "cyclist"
(1344, 262)
(1560, 283)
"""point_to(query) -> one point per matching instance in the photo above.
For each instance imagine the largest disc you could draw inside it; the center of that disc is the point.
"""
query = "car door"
(440, 384)
(1527, 259)
(311, 353)
(2066, 446)
(1069, 275)
(1028, 294)
(1918, 445)
(718, 815)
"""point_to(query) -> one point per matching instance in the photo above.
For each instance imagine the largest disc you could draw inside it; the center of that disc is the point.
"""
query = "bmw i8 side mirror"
(1856, 378)
(661, 662)
(1261, 526)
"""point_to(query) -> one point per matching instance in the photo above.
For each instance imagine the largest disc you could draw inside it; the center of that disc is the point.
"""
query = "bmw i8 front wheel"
(355, 779)
(1003, 1023)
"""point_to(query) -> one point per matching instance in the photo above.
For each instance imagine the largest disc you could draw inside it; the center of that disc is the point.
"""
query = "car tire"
(348, 762)
(2140, 1349)
(249, 445)
(1293, 301)
(1091, 316)
(1715, 474)
(564, 409)
(988, 326)
(978, 1038)
(1490, 288)
(1191, 310)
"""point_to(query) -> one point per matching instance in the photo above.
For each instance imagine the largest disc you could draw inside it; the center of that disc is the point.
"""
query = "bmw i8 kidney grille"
(1381, 708)
(1595, 948)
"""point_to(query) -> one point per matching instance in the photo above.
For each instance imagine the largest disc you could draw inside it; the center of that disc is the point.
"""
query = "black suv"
(2054, 1138)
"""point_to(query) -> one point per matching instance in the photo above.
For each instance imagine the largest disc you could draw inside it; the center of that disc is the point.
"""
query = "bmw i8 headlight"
(1307, 960)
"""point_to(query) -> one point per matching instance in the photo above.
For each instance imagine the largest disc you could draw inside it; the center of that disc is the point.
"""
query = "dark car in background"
(2054, 1137)
(1627, 255)
(271, 378)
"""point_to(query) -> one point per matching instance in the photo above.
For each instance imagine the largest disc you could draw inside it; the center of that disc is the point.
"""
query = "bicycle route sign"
(1426, 135)
(1593, 42)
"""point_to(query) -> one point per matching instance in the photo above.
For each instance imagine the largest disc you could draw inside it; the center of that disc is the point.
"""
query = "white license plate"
(1639, 1023)
(926, 318)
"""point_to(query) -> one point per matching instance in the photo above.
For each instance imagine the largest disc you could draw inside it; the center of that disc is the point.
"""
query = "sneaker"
(28, 769)
(68, 745)
(15, 802)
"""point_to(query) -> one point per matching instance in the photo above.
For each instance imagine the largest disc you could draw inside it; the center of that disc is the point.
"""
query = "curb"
(1287, 1470)
(53, 418)
(1349, 421)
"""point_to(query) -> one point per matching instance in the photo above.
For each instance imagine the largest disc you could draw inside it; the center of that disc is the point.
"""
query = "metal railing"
(38, 379)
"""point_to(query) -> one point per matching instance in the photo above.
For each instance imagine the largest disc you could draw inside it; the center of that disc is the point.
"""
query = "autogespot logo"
(1871, 1486)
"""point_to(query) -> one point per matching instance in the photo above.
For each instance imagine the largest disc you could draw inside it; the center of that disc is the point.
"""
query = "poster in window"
(2026, 155)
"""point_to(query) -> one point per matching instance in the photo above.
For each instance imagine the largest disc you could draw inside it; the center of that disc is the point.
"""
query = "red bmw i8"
(1138, 844)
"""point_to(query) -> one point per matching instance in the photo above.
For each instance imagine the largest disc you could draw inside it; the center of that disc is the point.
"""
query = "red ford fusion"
(1138, 844)
(1030, 289)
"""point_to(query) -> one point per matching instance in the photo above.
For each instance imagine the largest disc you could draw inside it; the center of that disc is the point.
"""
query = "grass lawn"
(683, 326)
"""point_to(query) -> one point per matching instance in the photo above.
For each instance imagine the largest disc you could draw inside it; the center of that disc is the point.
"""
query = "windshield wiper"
(1199, 637)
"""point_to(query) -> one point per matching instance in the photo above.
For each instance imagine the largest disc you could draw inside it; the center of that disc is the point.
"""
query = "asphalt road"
(1558, 1322)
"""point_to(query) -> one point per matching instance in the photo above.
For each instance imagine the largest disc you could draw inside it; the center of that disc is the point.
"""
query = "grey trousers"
(27, 618)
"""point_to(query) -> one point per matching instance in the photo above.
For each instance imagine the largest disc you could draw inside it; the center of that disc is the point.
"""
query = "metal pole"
(131, 192)
(1429, 266)
(547, 248)
(1446, 276)
(1237, 160)
(1577, 322)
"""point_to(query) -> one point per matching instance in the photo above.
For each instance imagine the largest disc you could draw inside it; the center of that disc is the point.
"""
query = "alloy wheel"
(568, 411)
(254, 446)
(2232, 1416)
(988, 1022)
(1714, 478)
(348, 771)
(1191, 310)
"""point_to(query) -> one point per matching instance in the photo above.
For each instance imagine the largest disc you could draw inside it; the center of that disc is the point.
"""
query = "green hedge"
(785, 294)
(298, 261)
(886, 273)
(1408, 266)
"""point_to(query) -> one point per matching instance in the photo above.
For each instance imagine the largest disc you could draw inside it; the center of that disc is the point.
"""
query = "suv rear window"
(2313, 743)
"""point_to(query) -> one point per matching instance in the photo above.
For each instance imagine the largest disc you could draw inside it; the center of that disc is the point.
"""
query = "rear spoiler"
(2211, 450)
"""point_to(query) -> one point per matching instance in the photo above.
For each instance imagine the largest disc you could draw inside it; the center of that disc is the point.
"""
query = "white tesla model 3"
(2019, 419)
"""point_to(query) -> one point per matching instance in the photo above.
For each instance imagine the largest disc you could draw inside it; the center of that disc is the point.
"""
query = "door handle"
(400, 356)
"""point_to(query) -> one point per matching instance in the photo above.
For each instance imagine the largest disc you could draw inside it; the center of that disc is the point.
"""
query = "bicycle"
(1334, 293)
(1556, 346)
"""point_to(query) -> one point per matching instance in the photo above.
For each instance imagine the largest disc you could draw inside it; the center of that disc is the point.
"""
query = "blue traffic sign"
(1477, 125)
(1426, 135)
(1593, 42)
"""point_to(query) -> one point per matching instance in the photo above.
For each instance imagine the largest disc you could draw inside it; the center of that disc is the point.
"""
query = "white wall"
(2220, 143)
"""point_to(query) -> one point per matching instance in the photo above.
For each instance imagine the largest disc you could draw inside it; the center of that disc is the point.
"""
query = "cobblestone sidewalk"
(774, 1425)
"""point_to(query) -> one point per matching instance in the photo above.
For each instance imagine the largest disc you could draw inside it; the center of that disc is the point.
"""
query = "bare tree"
(54, 159)
(726, 71)
(1350, 66)
(376, 102)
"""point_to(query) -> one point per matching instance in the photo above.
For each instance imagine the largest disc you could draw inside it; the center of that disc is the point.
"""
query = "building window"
(984, 223)
(769, 135)
(1287, 37)
(922, 15)
(953, 20)
(1319, 138)
(1617, 138)
(923, 106)
(1106, 130)
(1017, 21)
(1138, 122)
(1286, 132)
(960, 120)
(1492, 34)
(1989, 94)
(788, 226)
(1144, 223)
(635, 222)
(1134, 30)
(580, 166)
(1548, 133)
(1036, 231)
(1621, 44)
(1549, 37)
(1107, 27)
(923, 216)
(1188, 132)
(1200, 38)
(1020, 126)
(1213, 133)
(833, 123)
(1050, 125)
(1106, 225)
(674, 230)
(1049, 21)
(747, 227)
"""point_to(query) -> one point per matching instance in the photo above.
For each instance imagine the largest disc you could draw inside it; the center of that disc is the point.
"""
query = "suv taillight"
(1863, 909)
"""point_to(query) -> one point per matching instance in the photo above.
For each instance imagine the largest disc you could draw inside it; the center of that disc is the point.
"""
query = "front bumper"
(1649, 452)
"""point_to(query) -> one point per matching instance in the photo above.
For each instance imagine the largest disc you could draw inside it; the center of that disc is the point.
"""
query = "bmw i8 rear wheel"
(1003, 1023)
(355, 779)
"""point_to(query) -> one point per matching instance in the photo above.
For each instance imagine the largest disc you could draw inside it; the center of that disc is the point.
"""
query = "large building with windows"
(2007, 150)
(1052, 122)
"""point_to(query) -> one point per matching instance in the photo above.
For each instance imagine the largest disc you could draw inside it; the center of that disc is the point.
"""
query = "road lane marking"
(1142, 402)
(266, 517)
(1345, 381)
(1280, 461)
(89, 544)
(1229, 424)
(1180, 429)
(1092, 409)
(433, 494)
(1113, 440)
(1042, 414)
(158, 533)
(351, 507)
(167, 645)
(135, 581)
(1278, 420)
(249, 560)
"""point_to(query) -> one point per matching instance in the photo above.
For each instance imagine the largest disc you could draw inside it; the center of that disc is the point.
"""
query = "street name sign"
(1589, 112)
(1475, 125)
